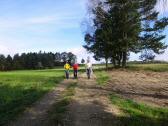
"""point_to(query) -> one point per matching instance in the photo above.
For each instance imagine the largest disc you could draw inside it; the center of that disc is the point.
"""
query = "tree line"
(119, 27)
(33, 60)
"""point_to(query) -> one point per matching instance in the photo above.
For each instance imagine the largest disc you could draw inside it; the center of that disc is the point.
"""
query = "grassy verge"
(57, 114)
(137, 114)
(149, 67)
(102, 77)
(163, 67)
(19, 89)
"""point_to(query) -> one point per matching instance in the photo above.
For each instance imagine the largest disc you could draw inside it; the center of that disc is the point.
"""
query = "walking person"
(67, 68)
(88, 67)
(75, 69)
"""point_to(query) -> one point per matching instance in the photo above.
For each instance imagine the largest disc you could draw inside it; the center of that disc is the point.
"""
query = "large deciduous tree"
(124, 26)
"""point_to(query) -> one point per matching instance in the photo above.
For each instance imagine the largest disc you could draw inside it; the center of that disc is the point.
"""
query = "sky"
(47, 25)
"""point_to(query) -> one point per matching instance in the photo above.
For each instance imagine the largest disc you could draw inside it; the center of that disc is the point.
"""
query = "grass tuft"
(57, 114)
(102, 78)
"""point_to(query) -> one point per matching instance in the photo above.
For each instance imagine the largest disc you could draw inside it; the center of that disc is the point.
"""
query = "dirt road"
(90, 105)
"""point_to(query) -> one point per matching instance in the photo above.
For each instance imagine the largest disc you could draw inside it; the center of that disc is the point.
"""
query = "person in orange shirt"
(75, 69)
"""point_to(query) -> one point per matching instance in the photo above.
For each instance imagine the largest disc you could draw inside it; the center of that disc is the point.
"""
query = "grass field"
(19, 89)
(131, 66)
(149, 67)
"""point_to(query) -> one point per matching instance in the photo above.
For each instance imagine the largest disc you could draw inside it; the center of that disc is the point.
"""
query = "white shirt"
(88, 65)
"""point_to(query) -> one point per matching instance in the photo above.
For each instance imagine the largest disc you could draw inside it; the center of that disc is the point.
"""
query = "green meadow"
(19, 89)
(149, 67)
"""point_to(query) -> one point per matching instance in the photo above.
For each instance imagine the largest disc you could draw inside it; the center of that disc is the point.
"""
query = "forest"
(33, 60)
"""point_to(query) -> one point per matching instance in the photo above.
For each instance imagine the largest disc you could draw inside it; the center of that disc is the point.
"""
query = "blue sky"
(47, 25)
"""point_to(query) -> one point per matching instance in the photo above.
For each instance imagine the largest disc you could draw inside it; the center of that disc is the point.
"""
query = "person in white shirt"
(88, 67)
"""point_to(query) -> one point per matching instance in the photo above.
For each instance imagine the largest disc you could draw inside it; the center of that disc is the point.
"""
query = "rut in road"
(90, 105)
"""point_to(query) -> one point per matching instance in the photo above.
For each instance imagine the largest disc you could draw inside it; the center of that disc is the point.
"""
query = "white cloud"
(40, 20)
(163, 57)
(80, 52)
(162, 6)
(6, 49)
(134, 57)
(3, 48)
(56, 18)
(59, 21)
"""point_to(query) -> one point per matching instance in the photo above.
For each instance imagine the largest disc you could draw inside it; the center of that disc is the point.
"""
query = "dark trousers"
(75, 73)
(88, 71)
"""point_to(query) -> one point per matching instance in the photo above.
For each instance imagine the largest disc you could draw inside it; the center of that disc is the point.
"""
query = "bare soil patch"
(144, 86)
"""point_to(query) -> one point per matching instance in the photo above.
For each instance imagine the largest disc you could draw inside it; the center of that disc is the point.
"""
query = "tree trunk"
(120, 58)
(124, 62)
(125, 50)
(119, 62)
(106, 64)
(124, 54)
(114, 62)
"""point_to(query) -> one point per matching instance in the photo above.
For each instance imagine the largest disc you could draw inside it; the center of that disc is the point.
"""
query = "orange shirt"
(75, 66)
